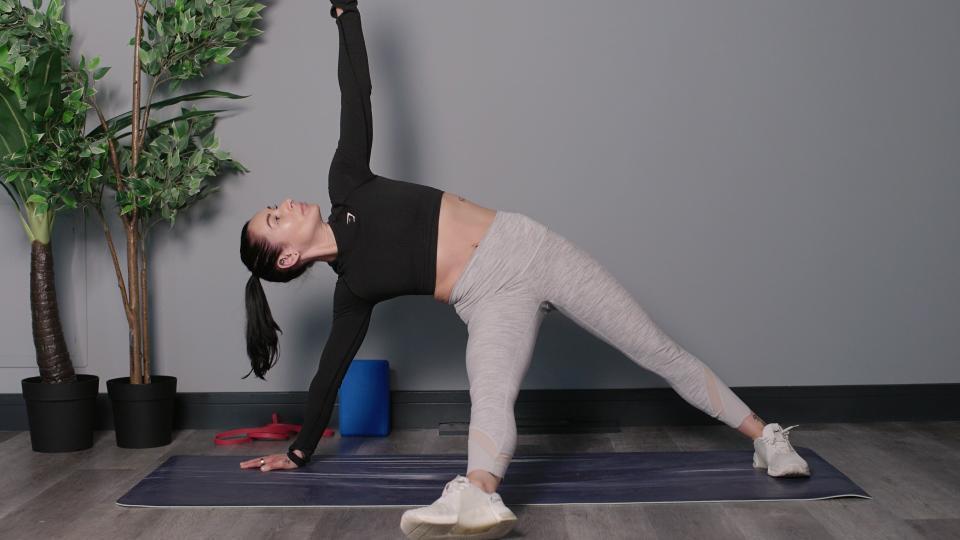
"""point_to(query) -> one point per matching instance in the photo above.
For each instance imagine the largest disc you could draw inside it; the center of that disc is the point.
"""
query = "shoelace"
(457, 484)
(782, 443)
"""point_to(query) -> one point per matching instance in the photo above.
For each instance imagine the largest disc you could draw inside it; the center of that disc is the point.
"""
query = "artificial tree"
(159, 168)
(42, 153)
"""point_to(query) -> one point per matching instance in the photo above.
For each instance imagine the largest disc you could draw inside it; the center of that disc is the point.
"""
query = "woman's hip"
(504, 253)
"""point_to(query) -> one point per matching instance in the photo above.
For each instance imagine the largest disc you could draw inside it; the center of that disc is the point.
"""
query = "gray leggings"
(522, 270)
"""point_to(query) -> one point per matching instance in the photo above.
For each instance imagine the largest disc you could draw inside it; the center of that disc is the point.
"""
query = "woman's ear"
(288, 259)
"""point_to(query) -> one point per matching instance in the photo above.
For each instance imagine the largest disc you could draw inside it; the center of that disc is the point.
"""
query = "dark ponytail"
(261, 330)
(259, 257)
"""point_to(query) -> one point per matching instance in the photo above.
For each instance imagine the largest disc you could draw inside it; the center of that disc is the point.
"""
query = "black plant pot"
(143, 413)
(61, 415)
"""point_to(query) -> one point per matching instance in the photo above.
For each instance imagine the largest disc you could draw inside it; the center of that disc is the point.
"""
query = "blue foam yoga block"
(365, 398)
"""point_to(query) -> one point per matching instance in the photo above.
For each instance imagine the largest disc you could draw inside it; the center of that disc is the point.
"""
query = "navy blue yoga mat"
(418, 480)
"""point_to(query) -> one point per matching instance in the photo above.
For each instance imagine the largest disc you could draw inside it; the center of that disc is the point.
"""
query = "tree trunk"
(144, 308)
(53, 358)
(132, 224)
(133, 269)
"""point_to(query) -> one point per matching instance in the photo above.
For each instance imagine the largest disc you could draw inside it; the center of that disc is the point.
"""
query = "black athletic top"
(386, 231)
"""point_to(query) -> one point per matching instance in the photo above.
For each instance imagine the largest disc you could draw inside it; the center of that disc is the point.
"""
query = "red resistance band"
(274, 431)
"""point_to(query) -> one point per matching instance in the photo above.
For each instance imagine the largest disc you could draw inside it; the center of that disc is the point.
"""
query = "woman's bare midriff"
(462, 225)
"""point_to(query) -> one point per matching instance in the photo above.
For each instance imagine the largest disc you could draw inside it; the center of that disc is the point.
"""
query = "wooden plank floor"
(912, 469)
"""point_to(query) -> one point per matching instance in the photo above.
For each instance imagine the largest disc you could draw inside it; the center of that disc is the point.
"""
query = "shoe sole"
(417, 528)
(758, 464)
(422, 530)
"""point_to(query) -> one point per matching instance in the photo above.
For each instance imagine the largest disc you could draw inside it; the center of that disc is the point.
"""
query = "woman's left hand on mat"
(273, 461)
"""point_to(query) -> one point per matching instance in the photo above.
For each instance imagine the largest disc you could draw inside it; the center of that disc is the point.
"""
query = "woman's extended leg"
(502, 333)
(502, 321)
(583, 290)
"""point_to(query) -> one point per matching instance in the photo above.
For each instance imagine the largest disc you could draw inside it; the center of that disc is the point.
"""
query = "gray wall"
(775, 181)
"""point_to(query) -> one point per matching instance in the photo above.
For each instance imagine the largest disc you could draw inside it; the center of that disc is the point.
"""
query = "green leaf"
(36, 4)
(35, 198)
(123, 120)
(43, 87)
(99, 73)
(54, 9)
(222, 51)
(14, 129)
(145, 56)
(195, 159)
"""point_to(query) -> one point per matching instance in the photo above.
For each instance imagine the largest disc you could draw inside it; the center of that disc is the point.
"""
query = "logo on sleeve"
(351, 218)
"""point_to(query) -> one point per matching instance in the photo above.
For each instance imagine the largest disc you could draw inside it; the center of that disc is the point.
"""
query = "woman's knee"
(492, 410)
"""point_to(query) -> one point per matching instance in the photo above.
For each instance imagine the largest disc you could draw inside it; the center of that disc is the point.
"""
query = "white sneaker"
(435, 520)
(773, 451)
(483, 515)
(462, 511)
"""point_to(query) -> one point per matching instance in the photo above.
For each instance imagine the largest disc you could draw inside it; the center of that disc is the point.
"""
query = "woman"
(502, 272)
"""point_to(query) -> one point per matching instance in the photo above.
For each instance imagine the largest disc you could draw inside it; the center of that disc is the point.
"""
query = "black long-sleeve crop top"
(385, 230)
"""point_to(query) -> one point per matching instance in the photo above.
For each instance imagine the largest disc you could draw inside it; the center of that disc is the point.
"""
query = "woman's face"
(295, 226)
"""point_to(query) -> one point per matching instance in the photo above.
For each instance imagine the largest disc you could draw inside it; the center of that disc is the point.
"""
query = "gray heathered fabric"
(522, 270)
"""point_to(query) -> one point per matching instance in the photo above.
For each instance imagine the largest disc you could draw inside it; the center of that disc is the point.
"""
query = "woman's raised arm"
(351, 161)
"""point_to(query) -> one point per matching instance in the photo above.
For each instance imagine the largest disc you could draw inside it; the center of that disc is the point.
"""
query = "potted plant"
(157, 169)
(42, 142)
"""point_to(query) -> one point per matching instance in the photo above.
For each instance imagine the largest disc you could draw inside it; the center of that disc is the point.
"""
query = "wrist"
(297, 457)
(337, 7)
